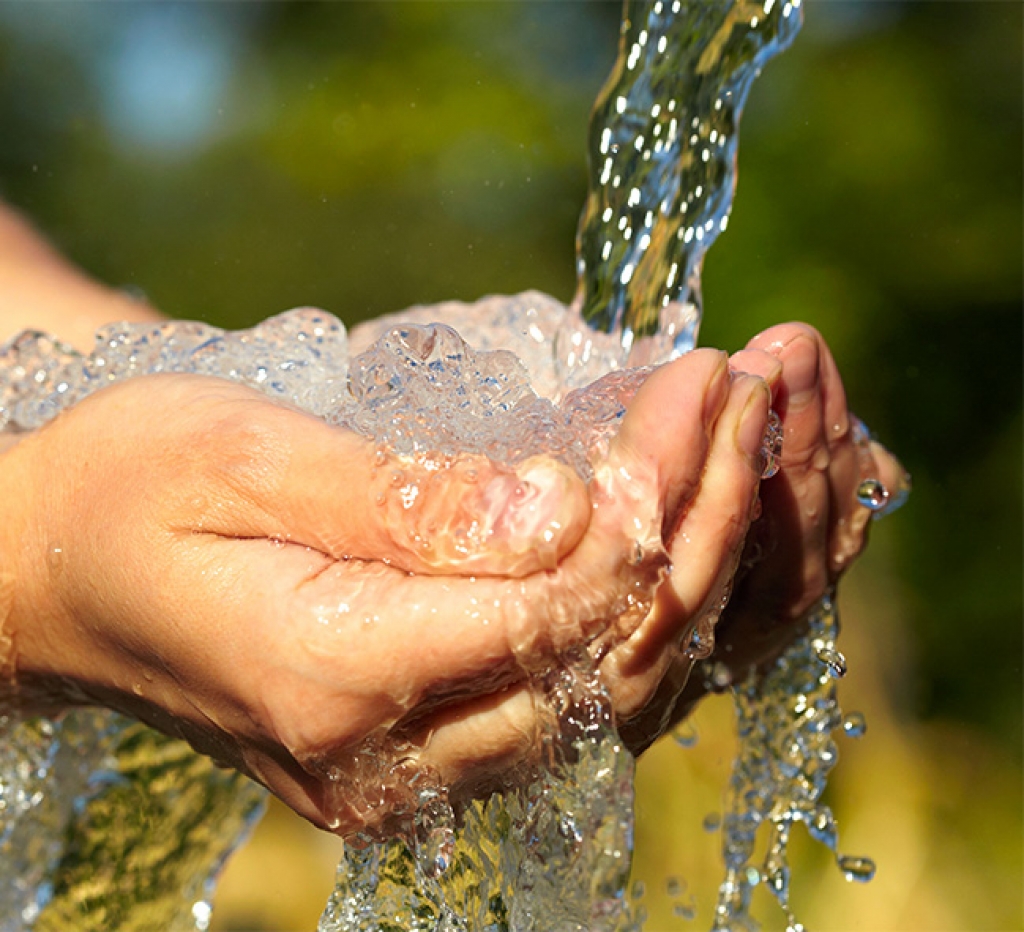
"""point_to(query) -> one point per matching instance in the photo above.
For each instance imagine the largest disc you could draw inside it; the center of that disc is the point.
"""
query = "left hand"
(811, 526)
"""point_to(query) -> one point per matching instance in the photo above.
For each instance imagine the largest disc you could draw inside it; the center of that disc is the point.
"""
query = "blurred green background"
(234, 160)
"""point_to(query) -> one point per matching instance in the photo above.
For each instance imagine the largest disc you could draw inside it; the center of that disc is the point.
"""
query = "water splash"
(106, 824)
(785, 722)
(546, 846)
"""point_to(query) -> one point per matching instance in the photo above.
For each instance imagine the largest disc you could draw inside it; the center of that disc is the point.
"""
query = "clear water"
(785, 723)
(105, 824)
(662, 158)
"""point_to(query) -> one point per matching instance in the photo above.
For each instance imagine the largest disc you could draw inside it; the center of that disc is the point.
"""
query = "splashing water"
(785, 722)
(105, 824)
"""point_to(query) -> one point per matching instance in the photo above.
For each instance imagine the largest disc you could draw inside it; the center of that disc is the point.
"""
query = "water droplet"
(855, 868)
(822, 827)
(638, 890)
(854, 725)
(685, 735)
(702, 640)
(721, 676)
(834, 661)
(55, 558)
(872, 494)
(675, 886)
(201, 913)
(712, 822)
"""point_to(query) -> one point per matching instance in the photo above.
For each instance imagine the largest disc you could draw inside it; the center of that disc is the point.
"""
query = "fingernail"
(536, 507)
(754, 420)
(716, 391)
(800, 365)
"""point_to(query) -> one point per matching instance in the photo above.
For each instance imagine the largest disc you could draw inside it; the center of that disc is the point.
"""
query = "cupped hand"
(283, 595)
(812, 525)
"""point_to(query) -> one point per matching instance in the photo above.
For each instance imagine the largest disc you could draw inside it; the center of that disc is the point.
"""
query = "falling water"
(663, 145)
(109, 825)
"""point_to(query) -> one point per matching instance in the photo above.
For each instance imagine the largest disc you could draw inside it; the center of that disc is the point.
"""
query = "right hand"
(187, 551)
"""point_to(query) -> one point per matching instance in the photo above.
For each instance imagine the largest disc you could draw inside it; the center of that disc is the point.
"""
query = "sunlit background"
(234, 160)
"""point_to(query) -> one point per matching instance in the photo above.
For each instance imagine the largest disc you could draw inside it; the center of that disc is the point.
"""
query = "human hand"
(811, 526)
(225, 573)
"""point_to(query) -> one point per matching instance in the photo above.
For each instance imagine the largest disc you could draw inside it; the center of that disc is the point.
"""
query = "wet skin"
(244, 576)
(811, 526)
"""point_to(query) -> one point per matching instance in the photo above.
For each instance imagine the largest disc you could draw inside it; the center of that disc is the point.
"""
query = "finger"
(704, 550)
(815, 456)
(893, 476)
(472, 745)
(289, 476)
(666, 430)
(760, 363)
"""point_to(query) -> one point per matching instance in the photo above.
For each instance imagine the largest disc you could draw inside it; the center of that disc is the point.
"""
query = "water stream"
(105, 824)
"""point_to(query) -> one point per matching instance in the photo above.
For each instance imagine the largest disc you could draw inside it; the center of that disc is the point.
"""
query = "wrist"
(9, 571)
(41, 290)
(27, 682)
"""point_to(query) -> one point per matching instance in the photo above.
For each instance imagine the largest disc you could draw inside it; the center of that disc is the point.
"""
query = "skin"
(242, 575)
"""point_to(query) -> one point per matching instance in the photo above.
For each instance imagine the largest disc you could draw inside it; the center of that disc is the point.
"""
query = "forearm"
(41, 290)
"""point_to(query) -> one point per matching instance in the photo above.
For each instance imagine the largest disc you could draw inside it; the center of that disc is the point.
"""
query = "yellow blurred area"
(936, 806)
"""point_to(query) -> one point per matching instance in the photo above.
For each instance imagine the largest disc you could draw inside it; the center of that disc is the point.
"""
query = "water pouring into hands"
(237, 572)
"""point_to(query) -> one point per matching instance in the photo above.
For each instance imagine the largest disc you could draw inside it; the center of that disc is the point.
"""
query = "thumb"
(333, 490)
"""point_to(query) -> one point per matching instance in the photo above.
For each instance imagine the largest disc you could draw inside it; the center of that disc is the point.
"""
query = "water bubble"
(872, 494)
(834, 662)
(857, 869)
(854, 725)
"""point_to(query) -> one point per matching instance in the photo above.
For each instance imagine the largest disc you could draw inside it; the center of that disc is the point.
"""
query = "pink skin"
(812, 526)
(244, 576)
(238, 573)
(228, 572)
